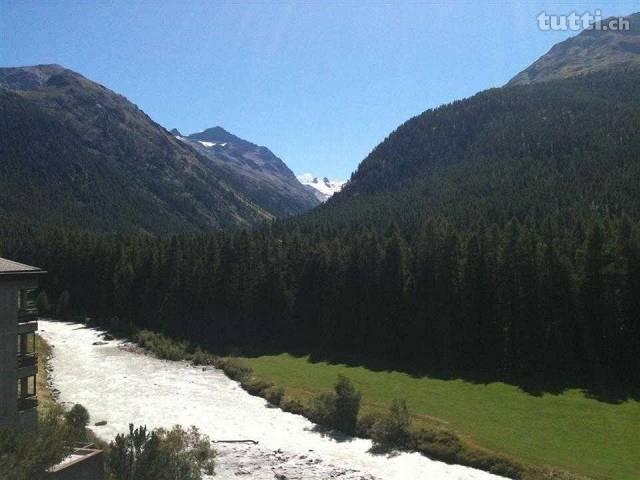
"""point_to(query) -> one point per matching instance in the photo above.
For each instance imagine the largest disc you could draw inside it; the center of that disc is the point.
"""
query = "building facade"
(18, 356)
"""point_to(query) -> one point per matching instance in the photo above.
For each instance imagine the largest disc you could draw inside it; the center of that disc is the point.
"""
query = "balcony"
(27, 403)
(27, 360)
(27, 371)
(27, 327)
(27, 315)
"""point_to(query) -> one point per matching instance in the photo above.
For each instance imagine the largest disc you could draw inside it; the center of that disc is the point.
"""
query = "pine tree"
(42, 303)
(63, 308)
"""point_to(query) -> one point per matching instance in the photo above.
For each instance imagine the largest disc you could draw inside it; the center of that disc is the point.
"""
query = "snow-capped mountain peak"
(323, 189)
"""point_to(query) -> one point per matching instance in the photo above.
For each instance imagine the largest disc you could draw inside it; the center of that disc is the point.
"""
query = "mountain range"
(75, 153)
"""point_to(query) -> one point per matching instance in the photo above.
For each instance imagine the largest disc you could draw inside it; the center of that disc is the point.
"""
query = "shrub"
(26, 455)
(274, 395)
(323, 409)
(392, 430)
(200, 357)
(175, 454)
(438, 444)
(235, 369)
(162, 346)
(256, 386)
(365, 424)
(500, 465)
(292, 406)
(446, 446)
(77, 420)
(337, 409)
(347, 405)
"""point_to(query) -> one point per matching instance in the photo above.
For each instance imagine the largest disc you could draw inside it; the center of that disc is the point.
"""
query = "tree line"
(551, 304)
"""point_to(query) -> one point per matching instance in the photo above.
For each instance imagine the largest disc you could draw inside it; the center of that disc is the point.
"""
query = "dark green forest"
(497, 237)
(558, 307)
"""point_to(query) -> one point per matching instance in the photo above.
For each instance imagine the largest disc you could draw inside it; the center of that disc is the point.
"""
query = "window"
(26, 343)
(27, 387)
(27, 301)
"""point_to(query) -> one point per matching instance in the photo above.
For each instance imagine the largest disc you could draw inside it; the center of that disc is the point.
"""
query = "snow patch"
(212, 144)
(325, 188)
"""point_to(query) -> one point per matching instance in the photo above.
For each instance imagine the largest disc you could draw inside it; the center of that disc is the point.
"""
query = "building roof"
(11, 268)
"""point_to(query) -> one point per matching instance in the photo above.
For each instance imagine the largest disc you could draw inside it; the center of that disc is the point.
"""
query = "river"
(121, 385)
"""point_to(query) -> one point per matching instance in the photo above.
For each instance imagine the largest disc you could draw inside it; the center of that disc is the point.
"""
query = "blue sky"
(320, 83)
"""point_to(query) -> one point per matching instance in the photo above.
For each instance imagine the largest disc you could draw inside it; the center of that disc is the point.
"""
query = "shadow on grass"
(534, 386)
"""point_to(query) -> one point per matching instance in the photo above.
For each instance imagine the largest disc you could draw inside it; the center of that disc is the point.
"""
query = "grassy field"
(568, 430)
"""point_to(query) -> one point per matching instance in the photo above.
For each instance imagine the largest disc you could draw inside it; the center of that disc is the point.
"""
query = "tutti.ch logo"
(575, 21)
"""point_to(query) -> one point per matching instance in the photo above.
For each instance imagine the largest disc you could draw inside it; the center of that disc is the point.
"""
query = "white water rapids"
(121, 386)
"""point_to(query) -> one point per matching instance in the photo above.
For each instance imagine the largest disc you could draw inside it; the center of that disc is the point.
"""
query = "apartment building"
(18, 357)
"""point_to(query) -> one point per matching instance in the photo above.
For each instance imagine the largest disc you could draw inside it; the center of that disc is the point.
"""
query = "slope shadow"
(536, 387)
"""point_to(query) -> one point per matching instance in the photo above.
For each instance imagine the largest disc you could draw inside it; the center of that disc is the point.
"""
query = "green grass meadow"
(568, 430)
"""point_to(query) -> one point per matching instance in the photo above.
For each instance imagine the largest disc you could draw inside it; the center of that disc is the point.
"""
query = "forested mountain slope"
(75, 153)
(531, 149)
(563, 147)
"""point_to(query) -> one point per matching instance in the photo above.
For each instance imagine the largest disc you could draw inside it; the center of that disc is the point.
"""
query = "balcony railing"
(27, 360)
(27, 403)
